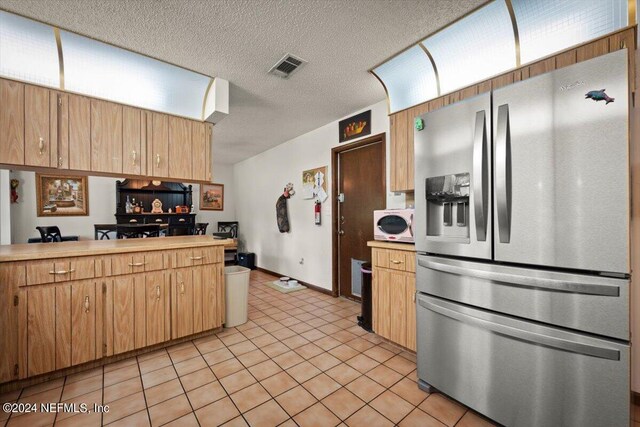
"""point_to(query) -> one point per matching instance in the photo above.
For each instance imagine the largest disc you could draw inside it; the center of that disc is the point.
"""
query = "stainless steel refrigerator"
(522, 234)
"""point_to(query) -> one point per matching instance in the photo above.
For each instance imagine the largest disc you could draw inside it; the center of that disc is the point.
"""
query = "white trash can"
(236, 279)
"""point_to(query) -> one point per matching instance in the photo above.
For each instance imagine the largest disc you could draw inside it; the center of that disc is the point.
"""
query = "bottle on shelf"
(128, 207)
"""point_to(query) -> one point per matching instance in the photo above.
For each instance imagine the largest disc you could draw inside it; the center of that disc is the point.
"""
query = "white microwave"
(395, 225)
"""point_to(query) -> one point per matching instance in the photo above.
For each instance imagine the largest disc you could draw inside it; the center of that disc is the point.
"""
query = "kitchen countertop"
(32, 251)
(391, 245)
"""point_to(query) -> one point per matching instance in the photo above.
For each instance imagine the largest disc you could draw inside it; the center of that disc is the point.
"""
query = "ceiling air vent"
(287, 66)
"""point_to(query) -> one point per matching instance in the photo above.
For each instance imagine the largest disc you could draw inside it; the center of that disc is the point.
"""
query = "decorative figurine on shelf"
(14, 190)
(170, 211)
(156, 206)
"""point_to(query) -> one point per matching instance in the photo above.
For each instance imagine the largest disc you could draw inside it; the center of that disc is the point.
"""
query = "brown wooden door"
(361, 178)
(199, 137)
(36, 134)
(132, 150)
(182, 314)
(11, 122)
(180, 148)
(106, 137)
(78, 154)
(83, 321)
(158, 126)
(157, 306)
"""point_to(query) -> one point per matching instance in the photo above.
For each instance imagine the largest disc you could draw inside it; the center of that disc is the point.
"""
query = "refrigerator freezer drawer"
(587, 303)
(519, 373)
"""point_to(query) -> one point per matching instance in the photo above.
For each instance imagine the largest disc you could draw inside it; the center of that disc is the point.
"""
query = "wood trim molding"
(308, 285)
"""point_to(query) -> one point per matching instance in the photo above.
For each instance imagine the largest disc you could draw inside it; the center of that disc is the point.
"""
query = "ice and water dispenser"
(448, 207)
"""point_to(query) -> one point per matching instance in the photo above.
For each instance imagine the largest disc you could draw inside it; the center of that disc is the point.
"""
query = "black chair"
(201, 228)
(228, 227)
(180, 230)
(135, 231)
(50, 234)
(101, 231)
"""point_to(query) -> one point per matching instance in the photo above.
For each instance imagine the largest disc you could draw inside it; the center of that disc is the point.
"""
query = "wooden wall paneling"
(132, 141)
(159, 145)
(41, 330)
(63, 326)
(79, 137)
(468, 92)
(106, 137)
(180, 148)
(542, 67)
(12, 276)
(503, 80)
(83, 321)
(36, 132)
(485, 86)
(123, 314)
(592, 50)
(566, 58)
(140, 308)
(11, 122)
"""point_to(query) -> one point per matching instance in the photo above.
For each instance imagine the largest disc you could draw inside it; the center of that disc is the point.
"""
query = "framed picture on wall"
(62, 195)
(212, 197)
(354, 127)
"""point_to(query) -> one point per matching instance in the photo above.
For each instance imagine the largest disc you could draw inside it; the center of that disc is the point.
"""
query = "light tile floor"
(300, 360)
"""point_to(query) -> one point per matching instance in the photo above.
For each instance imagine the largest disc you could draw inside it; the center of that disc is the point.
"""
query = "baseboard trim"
(308, 285)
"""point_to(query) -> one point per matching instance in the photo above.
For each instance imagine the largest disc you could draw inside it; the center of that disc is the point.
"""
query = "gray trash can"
(236, 279)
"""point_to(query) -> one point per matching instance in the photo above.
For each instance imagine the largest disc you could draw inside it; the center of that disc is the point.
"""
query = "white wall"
(259, 182)
(102, 207)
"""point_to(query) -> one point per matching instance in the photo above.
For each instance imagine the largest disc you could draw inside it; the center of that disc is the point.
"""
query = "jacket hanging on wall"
(282, 213)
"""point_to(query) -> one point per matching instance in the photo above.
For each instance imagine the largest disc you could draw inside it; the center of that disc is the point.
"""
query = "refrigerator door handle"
(480, 175)
(525, 281)
(521, 334)
(503, 174)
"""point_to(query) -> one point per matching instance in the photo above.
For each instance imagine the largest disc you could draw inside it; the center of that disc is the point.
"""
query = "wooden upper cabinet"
(106, 137)
(11, 122)
(79, 124)
(133, 149)
(37, 144)
(157, 145)
(201, 143)
(180, 148)
(399, 152)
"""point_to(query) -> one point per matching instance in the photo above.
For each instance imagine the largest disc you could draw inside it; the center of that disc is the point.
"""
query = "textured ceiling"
(239, 40)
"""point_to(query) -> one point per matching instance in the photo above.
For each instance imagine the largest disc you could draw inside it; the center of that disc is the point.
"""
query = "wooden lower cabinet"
(63, 325)
(198, 299)
(137, 311)
(394, 304)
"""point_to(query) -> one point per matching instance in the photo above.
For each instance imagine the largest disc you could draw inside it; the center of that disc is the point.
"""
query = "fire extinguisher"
(316, 209)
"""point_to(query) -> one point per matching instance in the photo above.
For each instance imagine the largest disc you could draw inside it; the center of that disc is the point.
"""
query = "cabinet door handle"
(158, 292)
(158, 220)
(134, 155)
(41, 145)
(157, 160)
(60, 161)
(137, 264)
(133, 220)
(181, 220)
(196, 258)
(86, 304)
(182, 288)
(63, 271)
(396, 261)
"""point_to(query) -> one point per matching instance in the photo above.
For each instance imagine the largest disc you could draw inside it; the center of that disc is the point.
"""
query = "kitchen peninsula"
(72, 303)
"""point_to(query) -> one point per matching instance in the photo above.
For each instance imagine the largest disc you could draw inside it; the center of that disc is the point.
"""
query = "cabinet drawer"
(394, 259)
(116, 265)
(60, 270)
(198, 256)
